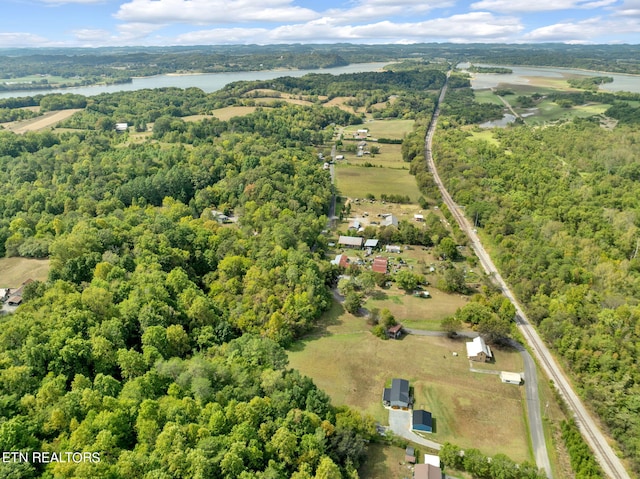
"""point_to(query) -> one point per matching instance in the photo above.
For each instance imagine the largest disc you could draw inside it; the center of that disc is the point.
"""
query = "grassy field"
(395, 129)
(15, 271)
(418, 313)
(356, 182)
(47, 120)
(470, 409)
(384, 462)
(51, 79)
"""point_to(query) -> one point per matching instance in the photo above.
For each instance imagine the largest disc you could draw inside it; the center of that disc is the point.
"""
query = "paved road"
(534, 411)
(604, 453)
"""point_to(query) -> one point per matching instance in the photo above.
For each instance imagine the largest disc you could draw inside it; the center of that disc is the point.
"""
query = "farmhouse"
(510, 378)
(477, 350)
(422, 421)
(380, 265)
(397, 396)
(350, 241)
(395, 332)
(419, 218)
(121, 127)
(392, 248)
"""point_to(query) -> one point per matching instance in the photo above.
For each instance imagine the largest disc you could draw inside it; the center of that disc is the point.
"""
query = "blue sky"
(94, 23)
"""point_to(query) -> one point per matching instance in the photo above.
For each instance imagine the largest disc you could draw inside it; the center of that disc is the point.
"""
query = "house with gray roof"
(397, 396)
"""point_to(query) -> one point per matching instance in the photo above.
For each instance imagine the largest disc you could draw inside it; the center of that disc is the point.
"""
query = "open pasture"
(357, 181)
(394, 129)
(414, 312)
(470, 409)
(229, 112)
(15, 271)
(47, 120)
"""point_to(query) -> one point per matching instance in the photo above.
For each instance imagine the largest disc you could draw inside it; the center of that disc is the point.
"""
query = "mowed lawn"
(394, 129)
(417, 313)
(357, 181)
(470, 409)
(384, 462)
(15, 271)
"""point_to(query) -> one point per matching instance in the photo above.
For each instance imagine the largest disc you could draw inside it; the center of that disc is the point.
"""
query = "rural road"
(534, 411)
(604, 453)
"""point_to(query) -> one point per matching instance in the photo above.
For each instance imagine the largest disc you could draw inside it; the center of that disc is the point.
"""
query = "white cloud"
(592, 30)
(20, 39)
(368, 10)
(65, 2)
(629, 8)
(200, 12)
(475, 26)
(513, 6)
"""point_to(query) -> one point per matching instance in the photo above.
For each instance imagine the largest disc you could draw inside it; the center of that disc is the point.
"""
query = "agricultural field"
(47, 120)
(358, 181)
(15, 271)
(394, 129)
(462, 402)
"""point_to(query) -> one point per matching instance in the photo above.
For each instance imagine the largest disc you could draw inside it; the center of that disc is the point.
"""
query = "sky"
(96, 23)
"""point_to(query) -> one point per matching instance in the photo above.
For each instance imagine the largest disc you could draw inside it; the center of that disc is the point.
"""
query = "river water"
(207, 82)
(521, 75)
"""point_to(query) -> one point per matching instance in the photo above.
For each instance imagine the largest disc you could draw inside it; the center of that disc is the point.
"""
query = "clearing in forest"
(48, 120)
(15, 271)
(470, 409)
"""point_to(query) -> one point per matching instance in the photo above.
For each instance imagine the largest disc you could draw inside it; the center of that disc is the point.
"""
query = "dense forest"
(572, 209)
(157, 340)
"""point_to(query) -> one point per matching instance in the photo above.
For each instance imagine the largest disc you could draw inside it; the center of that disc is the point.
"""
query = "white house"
(477, 350)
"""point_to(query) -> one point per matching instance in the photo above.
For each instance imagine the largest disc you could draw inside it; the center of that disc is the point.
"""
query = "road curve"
(604, 453)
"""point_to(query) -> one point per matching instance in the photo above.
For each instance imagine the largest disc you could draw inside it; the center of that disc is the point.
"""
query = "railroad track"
(604, 453)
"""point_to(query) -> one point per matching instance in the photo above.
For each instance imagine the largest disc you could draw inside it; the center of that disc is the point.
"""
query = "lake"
(207, 82)
(621, 82)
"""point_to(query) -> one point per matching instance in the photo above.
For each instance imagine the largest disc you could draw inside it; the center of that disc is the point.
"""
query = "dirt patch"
(48, 120)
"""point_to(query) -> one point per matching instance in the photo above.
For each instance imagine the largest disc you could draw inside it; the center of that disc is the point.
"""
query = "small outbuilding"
(350, 241)
(422, 421)
(510, 378)
(392, 248)
(390, 220)
(380, 265)
(410, 455)
(341, 260)
(395, 331)
(371, 243)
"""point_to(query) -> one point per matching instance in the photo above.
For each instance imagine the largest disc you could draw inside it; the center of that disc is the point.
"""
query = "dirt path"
(47, 120)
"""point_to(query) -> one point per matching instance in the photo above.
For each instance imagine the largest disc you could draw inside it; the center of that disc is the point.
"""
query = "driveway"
(400, 425)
